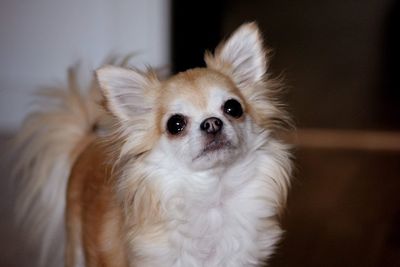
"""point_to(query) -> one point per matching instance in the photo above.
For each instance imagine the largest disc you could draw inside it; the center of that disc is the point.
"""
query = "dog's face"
(202, 118)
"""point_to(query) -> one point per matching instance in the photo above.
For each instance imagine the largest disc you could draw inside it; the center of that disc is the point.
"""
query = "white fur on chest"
(217, 219)
(227, 229)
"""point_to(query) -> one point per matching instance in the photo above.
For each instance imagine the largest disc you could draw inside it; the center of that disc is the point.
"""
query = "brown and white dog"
(188, 173)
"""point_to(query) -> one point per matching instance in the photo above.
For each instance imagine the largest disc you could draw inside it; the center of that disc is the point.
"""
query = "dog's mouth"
(215, 145)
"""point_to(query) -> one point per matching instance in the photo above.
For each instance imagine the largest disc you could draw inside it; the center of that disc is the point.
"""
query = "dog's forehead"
(196, 86)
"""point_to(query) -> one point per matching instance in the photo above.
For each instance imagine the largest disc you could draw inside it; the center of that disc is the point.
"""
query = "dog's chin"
(215, 153)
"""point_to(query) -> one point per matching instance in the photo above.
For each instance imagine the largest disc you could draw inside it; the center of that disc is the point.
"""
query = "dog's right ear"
(127, 91)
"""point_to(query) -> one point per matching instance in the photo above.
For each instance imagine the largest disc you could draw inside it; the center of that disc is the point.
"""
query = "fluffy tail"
(46, 150)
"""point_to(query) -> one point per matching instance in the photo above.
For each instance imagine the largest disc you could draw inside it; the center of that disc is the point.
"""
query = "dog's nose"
(211, 125)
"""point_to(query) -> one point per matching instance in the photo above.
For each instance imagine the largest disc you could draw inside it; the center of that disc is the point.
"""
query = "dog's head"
(204, 117)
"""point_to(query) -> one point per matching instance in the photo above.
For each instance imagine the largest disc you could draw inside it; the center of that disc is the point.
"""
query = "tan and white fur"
(146, 196)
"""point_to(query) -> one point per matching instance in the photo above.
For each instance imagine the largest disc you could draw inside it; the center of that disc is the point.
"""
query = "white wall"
(40, 39)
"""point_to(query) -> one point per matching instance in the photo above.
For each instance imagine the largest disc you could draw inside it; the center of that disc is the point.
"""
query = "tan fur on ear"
(131, 96)
(128, 92)
(242, 56)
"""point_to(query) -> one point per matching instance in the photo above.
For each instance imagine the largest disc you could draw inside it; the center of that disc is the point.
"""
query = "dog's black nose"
(211, 125)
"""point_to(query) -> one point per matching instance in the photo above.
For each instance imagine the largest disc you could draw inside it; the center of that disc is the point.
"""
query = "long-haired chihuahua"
(186, 171)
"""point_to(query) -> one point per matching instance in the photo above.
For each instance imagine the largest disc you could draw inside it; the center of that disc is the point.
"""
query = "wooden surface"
(346, 139)
(343, 210)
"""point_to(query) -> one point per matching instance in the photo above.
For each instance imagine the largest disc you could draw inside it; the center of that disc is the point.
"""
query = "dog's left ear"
(242, 56)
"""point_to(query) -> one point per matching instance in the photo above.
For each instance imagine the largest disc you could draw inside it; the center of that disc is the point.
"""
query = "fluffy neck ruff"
(218, 217)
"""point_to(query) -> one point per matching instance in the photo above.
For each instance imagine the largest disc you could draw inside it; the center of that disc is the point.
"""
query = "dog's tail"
(46, 148)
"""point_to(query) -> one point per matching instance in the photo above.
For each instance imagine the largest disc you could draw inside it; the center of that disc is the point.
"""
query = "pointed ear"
(242, 56)
(127, 91)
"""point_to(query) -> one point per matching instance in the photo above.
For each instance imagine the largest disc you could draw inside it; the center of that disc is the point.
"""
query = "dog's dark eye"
(176, 124)
(233, 108)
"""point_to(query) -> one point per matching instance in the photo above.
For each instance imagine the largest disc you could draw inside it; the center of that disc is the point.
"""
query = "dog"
(186, 171)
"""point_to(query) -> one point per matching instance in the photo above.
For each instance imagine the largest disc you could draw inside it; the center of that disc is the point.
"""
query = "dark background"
(340, 62)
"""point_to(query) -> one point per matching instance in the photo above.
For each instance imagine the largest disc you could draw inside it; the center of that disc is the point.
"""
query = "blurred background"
(339, 59)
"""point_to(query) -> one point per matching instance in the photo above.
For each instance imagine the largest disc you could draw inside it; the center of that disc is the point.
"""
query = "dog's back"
(94, 220)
